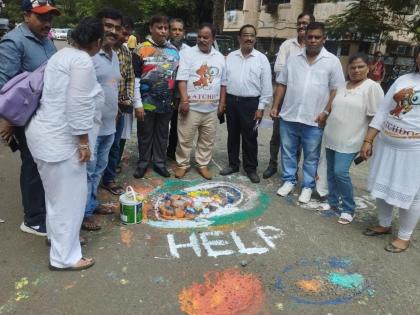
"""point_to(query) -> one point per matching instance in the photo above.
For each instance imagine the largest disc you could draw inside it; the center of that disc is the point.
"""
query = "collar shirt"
(249, 76)
(204, 74)
(68, 105)
(126, 85)
(288, 48)
(108, 74)
(309, 86)
(21, 50)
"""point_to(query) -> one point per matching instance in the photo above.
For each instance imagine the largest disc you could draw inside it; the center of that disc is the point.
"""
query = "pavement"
(271, 255)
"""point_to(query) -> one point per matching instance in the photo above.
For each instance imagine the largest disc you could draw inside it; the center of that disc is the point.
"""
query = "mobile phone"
(221, 118)
(358, 160)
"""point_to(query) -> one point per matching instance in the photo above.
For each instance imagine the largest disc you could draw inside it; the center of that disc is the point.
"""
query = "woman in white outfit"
(394, 176)
(59, 142)
(354, 105)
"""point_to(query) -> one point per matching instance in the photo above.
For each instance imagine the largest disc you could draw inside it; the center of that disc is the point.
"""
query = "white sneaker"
(305, 195)
(285, 189)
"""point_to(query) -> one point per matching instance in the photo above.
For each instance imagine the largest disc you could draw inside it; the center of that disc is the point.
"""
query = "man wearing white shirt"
(200, 76)
(249, 90)
(288, 48)
(308, 84)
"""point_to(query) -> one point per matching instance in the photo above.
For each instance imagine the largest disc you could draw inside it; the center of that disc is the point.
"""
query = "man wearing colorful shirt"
(201, 72)
(155, 63)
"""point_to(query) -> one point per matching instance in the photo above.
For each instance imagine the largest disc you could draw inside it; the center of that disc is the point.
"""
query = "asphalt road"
(272, 256)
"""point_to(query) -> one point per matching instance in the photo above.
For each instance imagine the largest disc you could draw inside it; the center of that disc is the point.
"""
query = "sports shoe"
(305, 195)
(285, 189)
(39, 230)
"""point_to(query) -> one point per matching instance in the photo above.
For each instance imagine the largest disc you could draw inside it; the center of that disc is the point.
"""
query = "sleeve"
(385, 107)
(80, 97)
(184, 67)
(137, 95)
(224, 74)
(375, 96)
(337, 76)
(11, 61)
(130, 77)
(267, 86)
(281, 77)
(281, 57)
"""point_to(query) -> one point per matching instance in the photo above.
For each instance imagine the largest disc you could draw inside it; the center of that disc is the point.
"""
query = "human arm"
(366, 149)
(222, 102)
(281, 57)
(322, 117)
(278, 100)
(266, 96)
(184, 105)
(182, 78)
(84, 150)
(138, 104)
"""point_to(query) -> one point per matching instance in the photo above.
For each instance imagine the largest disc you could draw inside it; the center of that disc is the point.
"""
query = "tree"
(376, 20)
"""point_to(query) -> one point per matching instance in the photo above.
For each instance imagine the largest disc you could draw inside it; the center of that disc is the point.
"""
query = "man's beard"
(176, 42)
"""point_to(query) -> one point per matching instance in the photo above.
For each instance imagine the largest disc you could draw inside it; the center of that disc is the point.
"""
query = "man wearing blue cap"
(25, 48)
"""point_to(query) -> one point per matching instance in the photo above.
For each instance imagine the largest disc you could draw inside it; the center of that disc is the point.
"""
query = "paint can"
(131, 207)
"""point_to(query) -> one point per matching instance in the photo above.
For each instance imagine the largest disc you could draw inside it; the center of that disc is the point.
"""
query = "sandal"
(82, 264)
(345, 218)
(118, 169)
(103, 210)
(372, 232)
(394, 249)
(83, 241)
(89, 224)
(113, 188)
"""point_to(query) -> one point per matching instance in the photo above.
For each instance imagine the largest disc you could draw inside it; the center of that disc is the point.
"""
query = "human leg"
(290, 139)
(311, 144)
(206, 138)
(114, 154)
(145, 130)
(343, 181)
(187, 127)
(249, 134)
(333, 197)
(234, 131)
(173, 133)
(160, 139)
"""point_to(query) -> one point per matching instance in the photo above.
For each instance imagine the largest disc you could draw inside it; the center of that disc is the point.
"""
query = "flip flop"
(394, 249)
(75, 268)
(113, 188)
(89, 224)
(370, 232)
(103, 210)
(345, 218)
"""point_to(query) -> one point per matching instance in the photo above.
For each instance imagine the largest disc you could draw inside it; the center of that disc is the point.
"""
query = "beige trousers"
(188, 125)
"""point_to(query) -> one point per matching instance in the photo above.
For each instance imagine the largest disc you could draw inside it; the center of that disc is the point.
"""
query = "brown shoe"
(204, 171)
(180, 172)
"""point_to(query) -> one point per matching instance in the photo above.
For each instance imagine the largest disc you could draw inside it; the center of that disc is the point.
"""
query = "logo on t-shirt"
(405, 99)
(206, 75)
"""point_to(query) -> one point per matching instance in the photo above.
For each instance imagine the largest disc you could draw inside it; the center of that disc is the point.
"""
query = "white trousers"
(321, 181)
(408, 217)
(65, 185)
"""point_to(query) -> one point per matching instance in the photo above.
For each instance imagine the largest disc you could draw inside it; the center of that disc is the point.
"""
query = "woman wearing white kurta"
(354, 105)
(394, 176)
(58, 140)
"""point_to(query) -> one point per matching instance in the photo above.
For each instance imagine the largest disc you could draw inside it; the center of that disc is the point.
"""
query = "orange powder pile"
(309, 285)
(126, 237)
(229, 292)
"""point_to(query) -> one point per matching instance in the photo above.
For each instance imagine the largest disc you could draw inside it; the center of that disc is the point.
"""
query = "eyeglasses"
(113, 27)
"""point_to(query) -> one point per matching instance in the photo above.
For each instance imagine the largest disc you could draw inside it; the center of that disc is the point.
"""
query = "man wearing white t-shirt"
(200, 74)
(308, 84)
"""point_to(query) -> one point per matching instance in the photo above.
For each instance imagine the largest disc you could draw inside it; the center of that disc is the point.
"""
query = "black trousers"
(173, 134)
(33, 195)
(275, 144)
(152, 136)
(240, 121)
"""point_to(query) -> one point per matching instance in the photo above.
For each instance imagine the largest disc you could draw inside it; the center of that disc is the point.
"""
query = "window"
(234, 5)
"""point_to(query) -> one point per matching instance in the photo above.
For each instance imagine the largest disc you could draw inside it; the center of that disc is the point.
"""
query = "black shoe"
(253, 176)
(162, 171)
(140, 171)
(228, 170)
(270, 171)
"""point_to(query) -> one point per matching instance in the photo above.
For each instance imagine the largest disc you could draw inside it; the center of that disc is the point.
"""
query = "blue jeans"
(95, 169)
(293, 135)
(114, 154)
(339, 181)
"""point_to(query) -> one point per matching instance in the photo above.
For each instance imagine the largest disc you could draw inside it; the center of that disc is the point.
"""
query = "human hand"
(274, 113)
(139, 112)
(84, 153)
(321, 119)
(366, 150)
(7, 132)
(184, 107)
(221, 109)
(259, 114)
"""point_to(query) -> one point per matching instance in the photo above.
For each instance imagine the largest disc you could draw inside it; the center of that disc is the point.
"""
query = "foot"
(113, 188)
(305, 195)
(180, 172)
(253, 177)
(377, 230)
(82, 264)
(397, 246)
(204, 171)
(39, 230)
(140, 171)
(162, 171)
(103, 210)
(285, 189)
(270, 171)
(345, 218)
(228, 170)
(90, 224)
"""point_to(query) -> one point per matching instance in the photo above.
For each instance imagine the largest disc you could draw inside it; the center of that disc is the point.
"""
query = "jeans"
(95, 169)
(339, 181)
(114, 154)
(294, 134)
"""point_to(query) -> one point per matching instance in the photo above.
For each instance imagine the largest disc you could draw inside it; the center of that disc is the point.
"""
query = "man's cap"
(39, 7)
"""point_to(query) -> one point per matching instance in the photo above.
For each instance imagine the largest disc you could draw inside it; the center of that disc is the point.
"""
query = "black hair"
(245, 26)
(359, 55)
(416, 54)
(176, 20)
(89, 30)
(311, 16)
(109, 13)
(158, 18)
(316, 26)
(127, 22)
(210, 26)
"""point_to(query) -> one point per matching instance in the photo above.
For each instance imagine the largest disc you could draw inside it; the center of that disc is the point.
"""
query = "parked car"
(60, 33)
(223, 43)
(69, 39)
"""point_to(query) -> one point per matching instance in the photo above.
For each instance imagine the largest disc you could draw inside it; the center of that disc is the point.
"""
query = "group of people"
(95, 88)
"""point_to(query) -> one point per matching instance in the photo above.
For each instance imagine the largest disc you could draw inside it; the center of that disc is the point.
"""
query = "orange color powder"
(309, 285)
(229, 292)
(126, 237)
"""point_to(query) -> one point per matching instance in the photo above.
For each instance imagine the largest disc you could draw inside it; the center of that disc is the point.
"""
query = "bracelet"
(368, 141)
(83, 146)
